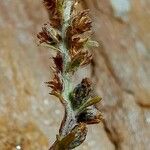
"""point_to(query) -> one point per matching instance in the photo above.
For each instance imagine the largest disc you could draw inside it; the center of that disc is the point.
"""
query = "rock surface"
(121, 69)
(30, 118)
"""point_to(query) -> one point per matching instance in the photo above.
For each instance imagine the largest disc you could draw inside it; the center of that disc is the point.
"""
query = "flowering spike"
(68, 33)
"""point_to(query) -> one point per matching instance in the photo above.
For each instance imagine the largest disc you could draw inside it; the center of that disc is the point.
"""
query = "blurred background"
(30, 117)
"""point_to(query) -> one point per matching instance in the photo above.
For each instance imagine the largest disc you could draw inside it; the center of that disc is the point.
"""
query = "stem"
(69, 118)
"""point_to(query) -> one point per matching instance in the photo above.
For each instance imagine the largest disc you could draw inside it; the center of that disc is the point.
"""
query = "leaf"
(66, 141)
(76, 137)
(62, 144)
(88, 103)
(80, 131)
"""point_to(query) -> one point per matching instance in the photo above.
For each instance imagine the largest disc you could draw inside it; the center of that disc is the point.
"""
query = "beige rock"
(120, 71)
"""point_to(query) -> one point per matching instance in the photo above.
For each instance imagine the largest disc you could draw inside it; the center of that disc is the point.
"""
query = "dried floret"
(49, 35)
(90, 116)
(54, 8)
(55, 84)
(58, 60)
